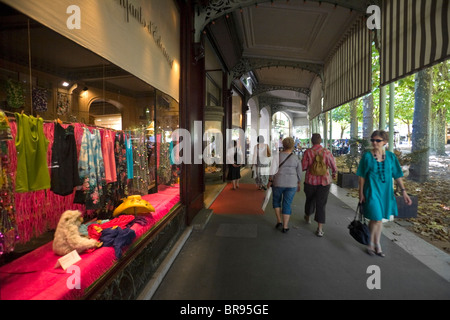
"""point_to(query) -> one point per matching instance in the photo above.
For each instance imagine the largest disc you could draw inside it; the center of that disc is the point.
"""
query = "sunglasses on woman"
(376, 140)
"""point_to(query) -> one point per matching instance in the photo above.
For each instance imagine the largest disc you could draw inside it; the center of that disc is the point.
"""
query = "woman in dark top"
(234, 166)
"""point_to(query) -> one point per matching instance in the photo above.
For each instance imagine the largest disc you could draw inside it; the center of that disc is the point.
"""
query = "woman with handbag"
(376, 170)
(261, 160)
(285, 182)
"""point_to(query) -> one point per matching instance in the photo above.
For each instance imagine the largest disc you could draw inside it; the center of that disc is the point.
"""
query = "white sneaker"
(319, 233)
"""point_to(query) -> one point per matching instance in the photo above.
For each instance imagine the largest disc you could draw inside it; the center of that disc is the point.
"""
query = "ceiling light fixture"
(65, 84)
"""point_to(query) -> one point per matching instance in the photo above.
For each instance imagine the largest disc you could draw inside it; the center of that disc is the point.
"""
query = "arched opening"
(105, 113)
(281, 127)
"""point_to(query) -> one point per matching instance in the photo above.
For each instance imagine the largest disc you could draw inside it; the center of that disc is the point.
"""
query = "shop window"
(69, 86)
(213, 135)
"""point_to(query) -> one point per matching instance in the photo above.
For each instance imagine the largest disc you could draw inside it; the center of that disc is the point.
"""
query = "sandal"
(379, 253)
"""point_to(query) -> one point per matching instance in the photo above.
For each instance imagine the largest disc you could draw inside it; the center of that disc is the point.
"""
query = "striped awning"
(415, 35)
(315, 102)
(348, 73)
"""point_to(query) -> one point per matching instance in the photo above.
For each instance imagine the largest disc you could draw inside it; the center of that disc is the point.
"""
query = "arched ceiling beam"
(249, 64)
(271, 101)
(263, 88)
(215, 9)
(277, 108)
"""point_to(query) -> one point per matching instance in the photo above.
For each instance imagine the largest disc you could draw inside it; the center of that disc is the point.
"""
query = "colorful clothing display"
(64, 168)
(120, 154)
(92, 161)
(108, 144)
(8, 228)
(31, 145)
(140, 161)
(91, 168)
(129, 148)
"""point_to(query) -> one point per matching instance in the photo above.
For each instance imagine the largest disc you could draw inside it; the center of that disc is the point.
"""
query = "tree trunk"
(367, 116)
(353, 126)
(440, 132)
(420, 169)
(354, 119)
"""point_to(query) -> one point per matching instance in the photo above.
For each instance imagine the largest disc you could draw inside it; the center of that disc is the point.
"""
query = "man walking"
(316, 162)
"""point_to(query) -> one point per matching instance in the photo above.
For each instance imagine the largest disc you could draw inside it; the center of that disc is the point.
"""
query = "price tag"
(68, 260)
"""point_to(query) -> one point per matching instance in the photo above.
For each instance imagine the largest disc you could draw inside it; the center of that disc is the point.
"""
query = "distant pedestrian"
(376, 170)
(285, 182)
(261, 162)
(234, 166)
(317, 184)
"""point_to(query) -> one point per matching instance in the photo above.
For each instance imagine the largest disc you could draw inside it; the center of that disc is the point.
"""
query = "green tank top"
(31, 146)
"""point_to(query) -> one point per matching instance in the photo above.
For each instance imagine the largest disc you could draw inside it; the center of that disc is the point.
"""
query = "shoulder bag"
(358, 228)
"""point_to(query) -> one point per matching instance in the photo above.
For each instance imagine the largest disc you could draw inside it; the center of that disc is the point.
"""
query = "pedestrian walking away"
(285, 179)
(261, 163)
(235, 156)
(317, 162)
(376, 170)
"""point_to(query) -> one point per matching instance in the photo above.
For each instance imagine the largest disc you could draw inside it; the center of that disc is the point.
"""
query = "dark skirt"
(233, 172)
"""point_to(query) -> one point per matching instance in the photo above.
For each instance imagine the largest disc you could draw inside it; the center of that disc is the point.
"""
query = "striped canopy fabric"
(348, 73)
(415, 35)
(315, 105)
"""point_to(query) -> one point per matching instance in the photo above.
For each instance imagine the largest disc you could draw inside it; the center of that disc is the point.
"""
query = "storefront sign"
(135, 12)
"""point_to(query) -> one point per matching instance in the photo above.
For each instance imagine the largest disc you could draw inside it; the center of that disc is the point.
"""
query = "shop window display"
(92, 169)
(214, 137)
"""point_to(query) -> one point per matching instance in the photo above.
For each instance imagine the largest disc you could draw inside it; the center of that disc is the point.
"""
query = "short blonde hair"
(288, 143)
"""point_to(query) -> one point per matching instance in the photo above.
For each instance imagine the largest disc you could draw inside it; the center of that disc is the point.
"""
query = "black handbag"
(358, 228)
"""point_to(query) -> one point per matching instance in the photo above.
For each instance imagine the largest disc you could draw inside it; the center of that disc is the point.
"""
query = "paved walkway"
(243, 257)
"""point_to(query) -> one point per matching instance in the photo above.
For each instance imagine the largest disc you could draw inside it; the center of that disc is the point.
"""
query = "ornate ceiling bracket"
(248, 64)
(262, 88)
(217, 8)
(214, 9)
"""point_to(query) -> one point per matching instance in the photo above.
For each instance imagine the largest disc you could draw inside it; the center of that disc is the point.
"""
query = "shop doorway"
(105, 114)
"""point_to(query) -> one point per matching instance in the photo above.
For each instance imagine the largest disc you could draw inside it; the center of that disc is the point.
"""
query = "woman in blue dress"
(376, 170)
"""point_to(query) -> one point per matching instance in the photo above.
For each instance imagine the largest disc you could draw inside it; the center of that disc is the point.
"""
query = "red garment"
(109, 160)
(120, 221)
(307, 161)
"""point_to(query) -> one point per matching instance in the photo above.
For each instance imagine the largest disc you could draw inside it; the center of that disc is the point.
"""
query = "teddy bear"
(67, 236)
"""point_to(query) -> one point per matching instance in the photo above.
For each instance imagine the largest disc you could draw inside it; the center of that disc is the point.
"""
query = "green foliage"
(357, 149)
(441, 88)
(404, 95)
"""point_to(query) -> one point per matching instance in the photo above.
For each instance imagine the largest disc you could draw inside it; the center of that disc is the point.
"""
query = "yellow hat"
(134, 205)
